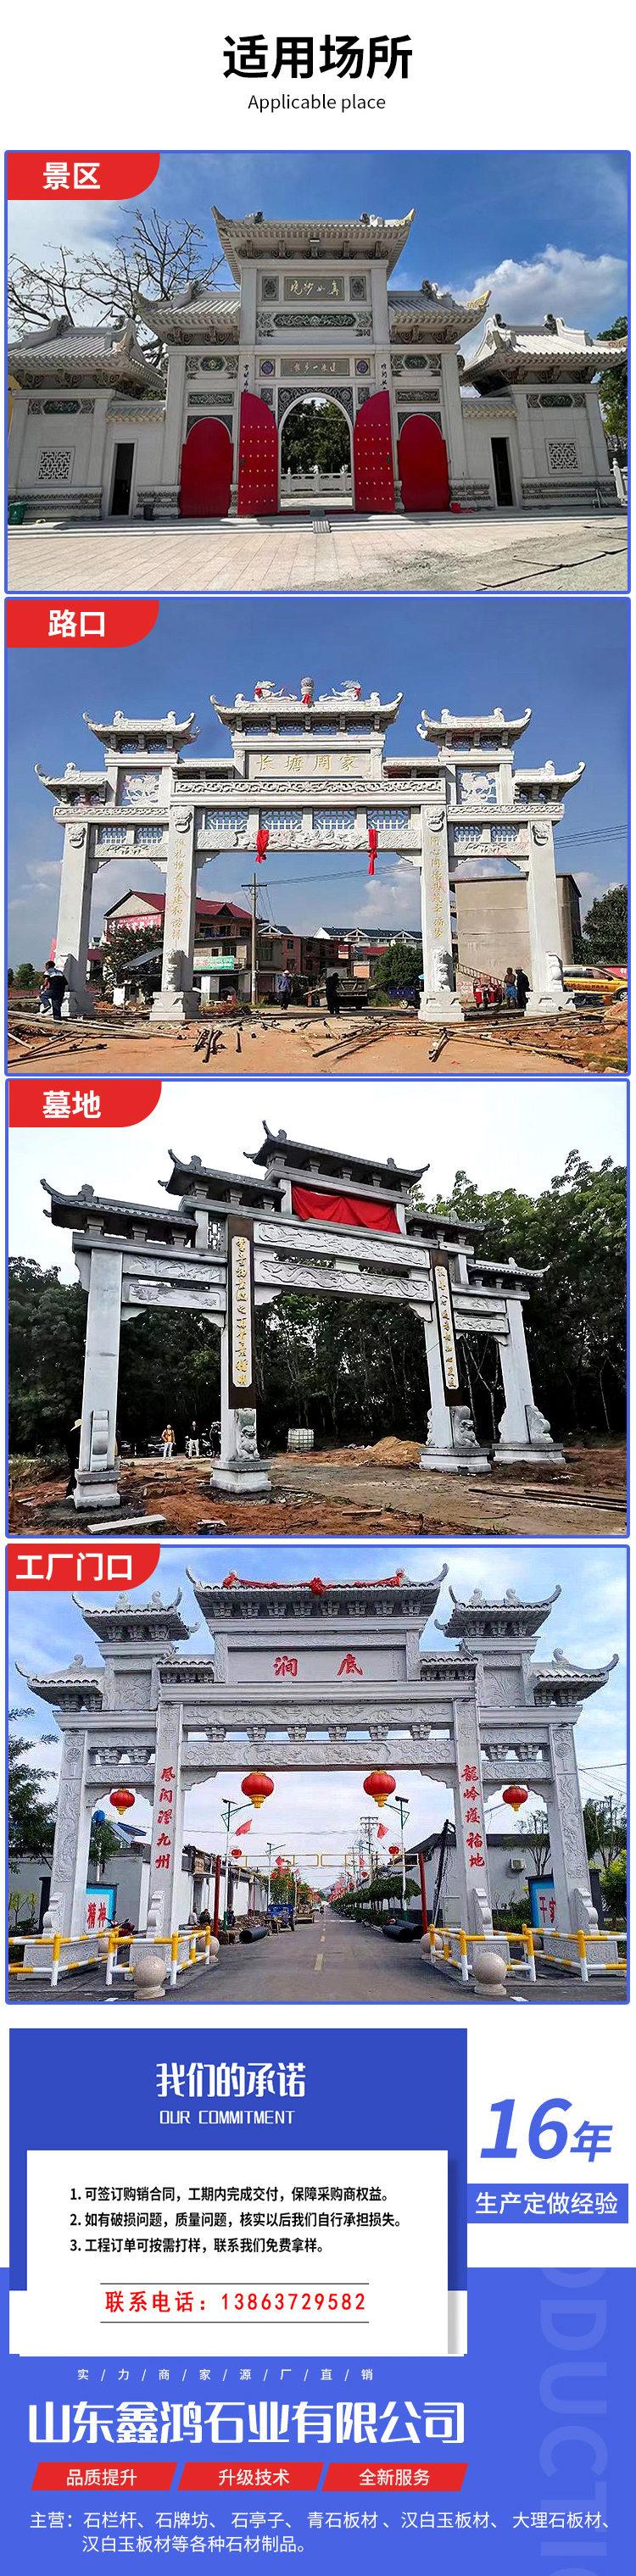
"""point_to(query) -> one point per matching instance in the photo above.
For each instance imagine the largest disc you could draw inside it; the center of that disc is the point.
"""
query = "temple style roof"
(472, 1618)
(559, 779)
(305, 237)
(393, 1178)
(550, 352)
(79, 1686)
(288, 708)
(67, 353)
(121, 1620)
(201, 312)
(82, 1212)
(194, 1181)
(565, 1683)
(392, 1597)
(116, 731)
(431, 314)
(437, 728)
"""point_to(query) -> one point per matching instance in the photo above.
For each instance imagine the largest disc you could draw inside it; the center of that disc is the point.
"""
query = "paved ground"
(327, 1962)
(541, 551)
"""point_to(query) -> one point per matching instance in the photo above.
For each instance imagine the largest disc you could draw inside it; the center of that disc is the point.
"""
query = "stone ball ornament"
(489, 1972)
(150, 1972)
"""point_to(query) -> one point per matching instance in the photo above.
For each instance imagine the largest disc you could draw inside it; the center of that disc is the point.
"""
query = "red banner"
(71, 175)
(81, 1104)
(105, 623)
(53, 2476)
(81, 1565)
(331, 1209)
(202, 2476)
(439, 2477)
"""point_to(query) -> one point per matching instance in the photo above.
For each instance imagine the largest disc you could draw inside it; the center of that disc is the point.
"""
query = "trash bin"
(16, 513)
(148, 509)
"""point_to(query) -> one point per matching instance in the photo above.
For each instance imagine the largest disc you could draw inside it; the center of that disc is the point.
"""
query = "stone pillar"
(438, 999)
(67, 1900)
(95, 467)
(239, 1470)
(544, 928)
(167, 1825)
(17, 429)
(470, 1825)
(73, 920)
(174, 428)
(568, 1853)
(97, 1478)
(529, 468)
(450, 1439)
(453, 418)
(524, 1432)
(177, 999)
(602, 465)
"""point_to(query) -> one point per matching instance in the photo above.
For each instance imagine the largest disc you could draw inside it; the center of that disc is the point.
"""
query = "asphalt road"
(326, 1962)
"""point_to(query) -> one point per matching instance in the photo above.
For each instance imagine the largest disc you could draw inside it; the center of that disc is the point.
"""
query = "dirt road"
(358, 1492)
(308, 1043)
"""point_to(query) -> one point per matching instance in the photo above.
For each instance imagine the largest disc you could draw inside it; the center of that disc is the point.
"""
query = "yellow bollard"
(463, 1955)
(55, 1967)
(585, 1974)
(174, 1957)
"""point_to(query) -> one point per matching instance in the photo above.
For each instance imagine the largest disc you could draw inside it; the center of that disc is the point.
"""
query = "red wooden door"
(206, 471)
(257, 492)
(373, 481)
(423, 465)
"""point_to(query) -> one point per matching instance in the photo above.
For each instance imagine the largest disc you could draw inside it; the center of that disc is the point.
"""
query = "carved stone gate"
(325, 1678)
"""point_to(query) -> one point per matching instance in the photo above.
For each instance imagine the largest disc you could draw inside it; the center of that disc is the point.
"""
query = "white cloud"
(587, 291)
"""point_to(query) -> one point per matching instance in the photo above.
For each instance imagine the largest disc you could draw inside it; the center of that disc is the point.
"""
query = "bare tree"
(160, 258)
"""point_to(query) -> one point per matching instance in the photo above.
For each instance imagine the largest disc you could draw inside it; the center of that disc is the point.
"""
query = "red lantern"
(378, 1785)
(121, 1799)
(515, 1796)
(394, 1851)
(236, 1851)
(256, 1786)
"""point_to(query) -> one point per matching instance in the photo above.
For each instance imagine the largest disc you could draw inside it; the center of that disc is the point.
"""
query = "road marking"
(317, 1962)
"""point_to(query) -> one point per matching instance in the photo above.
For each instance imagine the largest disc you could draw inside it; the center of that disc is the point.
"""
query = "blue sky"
(546, 230)
(567, 659)
(588, 1623)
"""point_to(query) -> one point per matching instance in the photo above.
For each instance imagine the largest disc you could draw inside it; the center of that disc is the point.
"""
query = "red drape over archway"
(335, 1208)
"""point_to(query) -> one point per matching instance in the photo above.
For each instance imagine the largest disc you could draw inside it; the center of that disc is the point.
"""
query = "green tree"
(104, 1842)
(575, 1232)
(613, 385)
(614, 1889)
(25, 978)
(31, 1817)
(315, 433)
(120, 952)
(400, 964)
(605, 1825)
(605, 929)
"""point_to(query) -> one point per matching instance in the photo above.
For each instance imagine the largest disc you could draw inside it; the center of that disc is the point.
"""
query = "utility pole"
(230, 1807)
(402, 1805)
(253, 968)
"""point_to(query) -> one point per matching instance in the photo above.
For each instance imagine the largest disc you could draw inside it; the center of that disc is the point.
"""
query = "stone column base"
(240, 1477)
(457, 1462)
(541, 1006)
(528, 1453)
(77, 1006)
(440, 1006)
(96, 1489)
(175, 1007)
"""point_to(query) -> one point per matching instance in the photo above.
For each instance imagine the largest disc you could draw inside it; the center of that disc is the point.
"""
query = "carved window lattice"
(148, 835)
(389, 818)
(562, 455)
(341, 819)
(55, 465)
(221, 820)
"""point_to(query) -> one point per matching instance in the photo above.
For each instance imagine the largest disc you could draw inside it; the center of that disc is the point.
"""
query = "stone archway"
(325, 470)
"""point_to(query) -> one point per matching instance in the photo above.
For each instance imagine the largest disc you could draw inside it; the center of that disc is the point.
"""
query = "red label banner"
(202, 2476)
(105, 623)
(51, 2476)
(71, 175)
(81, 1565)
(332, 1208)
(81, 1104)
